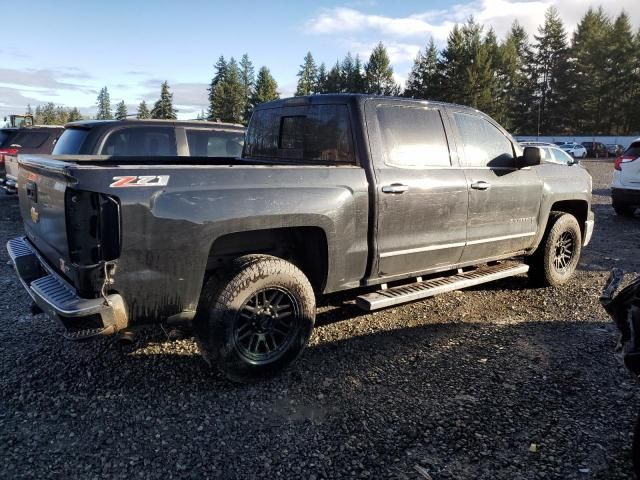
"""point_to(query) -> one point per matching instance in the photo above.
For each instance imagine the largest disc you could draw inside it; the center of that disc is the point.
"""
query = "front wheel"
(557, 256)
(256, 317)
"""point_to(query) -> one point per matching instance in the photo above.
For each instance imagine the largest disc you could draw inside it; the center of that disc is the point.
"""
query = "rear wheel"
(557, 256)
(256, 317)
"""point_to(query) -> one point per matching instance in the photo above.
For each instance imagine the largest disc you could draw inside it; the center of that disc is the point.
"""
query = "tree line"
(548, 83)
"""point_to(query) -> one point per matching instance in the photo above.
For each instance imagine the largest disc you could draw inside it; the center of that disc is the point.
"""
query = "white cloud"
(398, 52)
(498, 14)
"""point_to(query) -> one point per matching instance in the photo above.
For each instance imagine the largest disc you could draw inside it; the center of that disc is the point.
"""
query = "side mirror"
(531, 156)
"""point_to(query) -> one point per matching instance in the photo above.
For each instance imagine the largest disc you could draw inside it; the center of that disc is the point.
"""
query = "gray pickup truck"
(393, 198)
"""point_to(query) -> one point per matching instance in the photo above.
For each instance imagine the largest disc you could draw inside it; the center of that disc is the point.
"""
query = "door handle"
(481, 185)
(395, 188)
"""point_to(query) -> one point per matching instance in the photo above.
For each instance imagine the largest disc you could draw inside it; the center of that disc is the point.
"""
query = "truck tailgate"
(41, 188)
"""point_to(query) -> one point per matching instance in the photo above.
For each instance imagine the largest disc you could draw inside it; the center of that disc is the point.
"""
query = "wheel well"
(305, 247)
(577, 208)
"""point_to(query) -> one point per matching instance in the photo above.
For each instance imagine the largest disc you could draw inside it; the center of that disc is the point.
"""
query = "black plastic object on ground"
(624, 308)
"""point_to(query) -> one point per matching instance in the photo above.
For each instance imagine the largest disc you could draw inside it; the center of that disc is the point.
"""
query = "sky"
(64, 51)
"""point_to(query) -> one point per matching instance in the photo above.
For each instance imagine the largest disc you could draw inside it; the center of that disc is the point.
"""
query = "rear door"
(504, 201)
(421, 194)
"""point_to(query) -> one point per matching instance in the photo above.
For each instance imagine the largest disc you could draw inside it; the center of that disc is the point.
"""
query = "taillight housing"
(93, 226)
(623, 159)
(7, 151)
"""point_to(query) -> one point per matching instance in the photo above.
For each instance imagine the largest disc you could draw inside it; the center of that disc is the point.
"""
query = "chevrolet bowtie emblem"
(35, 216)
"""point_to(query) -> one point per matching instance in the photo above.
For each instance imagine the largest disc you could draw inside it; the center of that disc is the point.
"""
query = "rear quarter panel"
(168, 232)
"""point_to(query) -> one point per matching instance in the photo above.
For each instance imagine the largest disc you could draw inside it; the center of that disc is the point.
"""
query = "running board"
(428, 288)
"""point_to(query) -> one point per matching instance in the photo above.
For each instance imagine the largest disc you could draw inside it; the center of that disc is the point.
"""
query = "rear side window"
(141, 141)
(215, 143)
(484, 145)
(30, 139)
(413, 137)
(633, 150)
(319, 133)
(70, 142)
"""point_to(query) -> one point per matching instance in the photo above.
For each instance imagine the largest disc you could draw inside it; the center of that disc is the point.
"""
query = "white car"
(625, 188)
(574, 149)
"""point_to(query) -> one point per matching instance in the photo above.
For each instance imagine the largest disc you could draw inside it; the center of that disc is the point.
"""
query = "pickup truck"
(27, 139)
(396, 199)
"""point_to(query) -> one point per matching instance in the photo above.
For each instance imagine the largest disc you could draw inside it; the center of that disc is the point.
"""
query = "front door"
(504, 200)
(421, 198)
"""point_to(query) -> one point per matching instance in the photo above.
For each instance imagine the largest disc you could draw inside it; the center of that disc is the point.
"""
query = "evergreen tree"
(228, 96)
(220, 74)
(551, 59)
(163, 108)
(333, 83)
(623, 86)
(379, 73)
(248, 80)
(517, 75)
(104, 105)
(61, 116)
(590, 73)
(121, 111)
(348, 74)
(29, 110)
(48, 114)
(359, 80)
(266, 88)
(143, 111)
(321, 81)
(307, 76)
(423, 78)
(74, 115)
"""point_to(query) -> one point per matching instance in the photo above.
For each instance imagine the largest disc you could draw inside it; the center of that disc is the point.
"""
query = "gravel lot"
(498, 382)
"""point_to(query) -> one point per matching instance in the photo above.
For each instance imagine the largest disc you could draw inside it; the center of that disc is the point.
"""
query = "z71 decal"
(140, 181)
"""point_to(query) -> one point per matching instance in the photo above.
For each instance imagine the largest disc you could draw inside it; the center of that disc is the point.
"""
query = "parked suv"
(596, 149)
(332, 193)
(625, 188)
(154, 138)
(37, 139)
(576, 150)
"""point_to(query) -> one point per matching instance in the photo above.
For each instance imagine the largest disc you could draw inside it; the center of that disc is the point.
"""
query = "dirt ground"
(501, 381)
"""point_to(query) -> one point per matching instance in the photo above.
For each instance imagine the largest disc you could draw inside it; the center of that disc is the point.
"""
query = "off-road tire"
(227, 294)
(623, 210)
(542, 269)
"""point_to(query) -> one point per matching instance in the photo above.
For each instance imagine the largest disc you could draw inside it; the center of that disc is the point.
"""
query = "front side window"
(413, 137)
(484, 145)
(141, 141)
(319, 133)
(215, 143)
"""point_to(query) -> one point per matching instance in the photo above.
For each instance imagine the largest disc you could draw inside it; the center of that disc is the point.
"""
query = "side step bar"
(429, 288)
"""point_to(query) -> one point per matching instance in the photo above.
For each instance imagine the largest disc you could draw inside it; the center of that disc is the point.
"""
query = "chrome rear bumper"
(55, 297)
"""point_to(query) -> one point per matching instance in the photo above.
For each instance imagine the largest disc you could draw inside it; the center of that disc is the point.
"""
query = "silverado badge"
(35, 216)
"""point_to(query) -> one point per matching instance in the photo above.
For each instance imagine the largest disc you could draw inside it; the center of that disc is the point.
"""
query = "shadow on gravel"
(464, 400)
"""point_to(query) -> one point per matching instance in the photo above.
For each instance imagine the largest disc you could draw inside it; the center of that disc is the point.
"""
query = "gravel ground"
(497, 382)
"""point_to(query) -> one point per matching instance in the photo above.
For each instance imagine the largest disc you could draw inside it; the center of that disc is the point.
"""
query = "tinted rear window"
(220, 143)
(30, 139)
(633, 150)
(5, 136)
(319, 133)
(70, 141)
(141, 141)
(413, 137)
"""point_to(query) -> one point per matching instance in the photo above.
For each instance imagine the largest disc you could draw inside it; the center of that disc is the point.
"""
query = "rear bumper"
(626, 196)
(81, 317)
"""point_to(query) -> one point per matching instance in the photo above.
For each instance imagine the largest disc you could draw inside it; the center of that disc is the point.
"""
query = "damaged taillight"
(93, 226)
